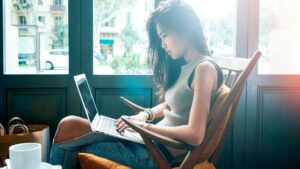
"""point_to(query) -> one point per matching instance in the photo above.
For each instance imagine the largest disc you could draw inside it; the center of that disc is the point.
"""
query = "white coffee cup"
(25, 156)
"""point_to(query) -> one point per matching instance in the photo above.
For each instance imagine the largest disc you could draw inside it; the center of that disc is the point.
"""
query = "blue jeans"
(124, 152)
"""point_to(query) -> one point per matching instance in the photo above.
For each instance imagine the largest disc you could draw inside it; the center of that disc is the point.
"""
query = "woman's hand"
(139, 119)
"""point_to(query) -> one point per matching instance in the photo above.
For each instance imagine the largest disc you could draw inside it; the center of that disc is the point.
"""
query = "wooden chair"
(220, 117)
(206, 155)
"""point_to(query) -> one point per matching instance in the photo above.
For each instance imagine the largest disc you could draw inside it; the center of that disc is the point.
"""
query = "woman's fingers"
(121, 124)
(121, 129)
(119, 120)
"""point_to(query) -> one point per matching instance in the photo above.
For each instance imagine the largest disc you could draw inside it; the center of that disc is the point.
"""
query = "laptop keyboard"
(107, 125)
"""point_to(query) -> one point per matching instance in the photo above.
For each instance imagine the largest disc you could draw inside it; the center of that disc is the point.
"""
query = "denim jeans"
(124, 152)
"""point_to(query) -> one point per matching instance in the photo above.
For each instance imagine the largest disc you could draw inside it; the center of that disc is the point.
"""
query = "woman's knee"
(70, 127)
(69, 122)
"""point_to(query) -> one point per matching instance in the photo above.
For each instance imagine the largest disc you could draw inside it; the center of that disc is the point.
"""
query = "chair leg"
(157, 156)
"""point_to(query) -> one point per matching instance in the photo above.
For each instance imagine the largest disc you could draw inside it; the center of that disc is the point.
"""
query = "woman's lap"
(128, 153)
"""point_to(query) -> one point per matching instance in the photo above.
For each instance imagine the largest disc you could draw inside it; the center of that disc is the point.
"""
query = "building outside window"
(42, 47)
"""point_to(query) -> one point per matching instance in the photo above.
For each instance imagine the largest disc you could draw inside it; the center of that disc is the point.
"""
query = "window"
(32, 46)
(23, 1)
(41, 19)
(129, 18)
(57, 2)
(108, 21)
(120, 40)
(22, 20)
(219, 24)
(279, 37)
(58, 19)
(112, 22)
(40, 2)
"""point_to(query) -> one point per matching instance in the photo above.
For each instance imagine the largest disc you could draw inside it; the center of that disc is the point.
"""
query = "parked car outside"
(56, 58)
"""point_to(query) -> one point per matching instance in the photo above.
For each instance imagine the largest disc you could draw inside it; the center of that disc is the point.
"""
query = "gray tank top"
(179, 97)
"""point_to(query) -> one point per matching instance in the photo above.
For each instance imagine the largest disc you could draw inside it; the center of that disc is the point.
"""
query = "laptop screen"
(88, 100)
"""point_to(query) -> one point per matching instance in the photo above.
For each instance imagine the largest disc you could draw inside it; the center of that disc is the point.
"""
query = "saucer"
(44, 165)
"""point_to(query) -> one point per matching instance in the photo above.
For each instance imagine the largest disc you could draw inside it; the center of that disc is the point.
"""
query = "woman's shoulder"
(211, 69)
(205, 67)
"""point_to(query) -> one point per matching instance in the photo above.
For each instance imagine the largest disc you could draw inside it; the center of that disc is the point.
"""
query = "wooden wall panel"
(278, 127)
(37, 106)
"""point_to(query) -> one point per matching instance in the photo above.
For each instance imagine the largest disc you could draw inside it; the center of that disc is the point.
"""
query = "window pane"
(120, 39)
(279, 37)
(36, 37)
(218, 18)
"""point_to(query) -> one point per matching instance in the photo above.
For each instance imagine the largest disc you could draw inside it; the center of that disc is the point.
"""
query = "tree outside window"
(120, 39)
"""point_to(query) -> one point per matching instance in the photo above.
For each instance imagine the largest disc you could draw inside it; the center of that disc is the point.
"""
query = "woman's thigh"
(85, 140)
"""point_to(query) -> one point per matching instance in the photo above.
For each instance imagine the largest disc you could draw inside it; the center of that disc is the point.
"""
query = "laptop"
(100, 123)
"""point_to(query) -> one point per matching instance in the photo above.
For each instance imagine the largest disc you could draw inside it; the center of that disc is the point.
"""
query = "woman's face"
(172, 43)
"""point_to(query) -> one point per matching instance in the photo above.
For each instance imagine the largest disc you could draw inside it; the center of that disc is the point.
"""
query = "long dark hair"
(177, 16)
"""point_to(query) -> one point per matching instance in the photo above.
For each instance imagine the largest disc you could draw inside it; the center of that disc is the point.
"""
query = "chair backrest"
(222, 112)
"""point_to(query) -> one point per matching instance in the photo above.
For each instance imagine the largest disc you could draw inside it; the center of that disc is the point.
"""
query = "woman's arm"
(158, 112)
(205, 80)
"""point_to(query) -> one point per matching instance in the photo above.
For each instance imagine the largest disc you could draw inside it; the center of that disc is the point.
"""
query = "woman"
(189, 81)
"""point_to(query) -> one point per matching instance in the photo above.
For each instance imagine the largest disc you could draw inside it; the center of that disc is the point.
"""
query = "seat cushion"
(203, 165)
(90, 161)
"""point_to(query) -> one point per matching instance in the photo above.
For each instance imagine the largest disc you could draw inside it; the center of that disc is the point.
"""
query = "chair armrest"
(136, 108)
(167, 141)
